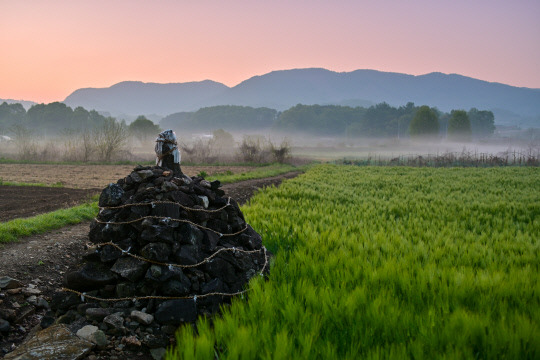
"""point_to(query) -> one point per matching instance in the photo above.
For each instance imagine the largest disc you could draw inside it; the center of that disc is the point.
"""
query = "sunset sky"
(51, 48)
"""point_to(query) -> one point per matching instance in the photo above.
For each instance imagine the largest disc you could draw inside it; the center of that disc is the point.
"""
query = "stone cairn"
(165, 248)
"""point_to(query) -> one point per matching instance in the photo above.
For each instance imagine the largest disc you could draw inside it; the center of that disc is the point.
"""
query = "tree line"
(74, 135)
(381, 120)
(58, 119)
(229, 117)
(48, 119)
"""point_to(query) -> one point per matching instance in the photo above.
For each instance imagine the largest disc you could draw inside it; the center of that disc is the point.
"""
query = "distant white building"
(202, 136)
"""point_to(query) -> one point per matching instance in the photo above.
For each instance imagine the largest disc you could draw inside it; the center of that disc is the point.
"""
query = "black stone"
(182, 198)
(107, 291)
(159, 181)
(81, 308)
(219, 268)
(115, 323)
(111, 195)
(220, 202)
(166, 210)
(47, 321)
(219, 192)
(91, 276)
(157, 233)
(64, 300)
(154, 341)
(96, 235)
(210, 240)
(191, 235)
(130, 268)
(176, 273)
(107, 214)
(114, 232)
(175, 312)
(135, 177)
(188, 255)
(235, 209)
(109, 253)
(215, 285)
(175, 288)
(128, 181)
(91, 254)
(4, 326)
(240, 261)
(156, 251)
(97, 314)
(141, 210)
(125, 289)
(69, 317)
(156, 274)
(219, 225)
(250, 239)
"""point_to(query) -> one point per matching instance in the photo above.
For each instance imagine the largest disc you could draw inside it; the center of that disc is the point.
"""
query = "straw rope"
(168, 202)
(171, 219)
(192, 297)
(126, 252)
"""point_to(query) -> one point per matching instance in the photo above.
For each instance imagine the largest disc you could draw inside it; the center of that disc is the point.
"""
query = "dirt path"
(43, 259)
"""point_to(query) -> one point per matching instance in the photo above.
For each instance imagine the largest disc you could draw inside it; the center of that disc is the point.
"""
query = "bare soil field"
(90, 176)
(25, 201)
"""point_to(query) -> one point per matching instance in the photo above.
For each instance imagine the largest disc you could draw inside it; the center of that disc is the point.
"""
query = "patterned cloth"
(166, 144)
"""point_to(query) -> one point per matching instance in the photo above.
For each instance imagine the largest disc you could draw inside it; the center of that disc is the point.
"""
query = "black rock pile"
(171, 247)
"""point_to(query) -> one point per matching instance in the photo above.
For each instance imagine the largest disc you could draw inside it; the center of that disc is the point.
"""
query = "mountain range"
(285, 88)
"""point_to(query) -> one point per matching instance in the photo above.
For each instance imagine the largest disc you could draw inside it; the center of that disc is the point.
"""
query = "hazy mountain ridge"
(136, 97)
(285, 88)
(26, 104)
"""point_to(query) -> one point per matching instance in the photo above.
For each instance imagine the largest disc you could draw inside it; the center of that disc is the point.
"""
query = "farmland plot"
(387, 262)
(91, 176)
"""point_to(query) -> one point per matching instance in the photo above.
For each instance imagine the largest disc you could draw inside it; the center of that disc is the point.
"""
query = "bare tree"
(202, 151)
(25, 142)
(110, 138)
(69, 140)
(282, 152)
(88, 147)
(254, 148)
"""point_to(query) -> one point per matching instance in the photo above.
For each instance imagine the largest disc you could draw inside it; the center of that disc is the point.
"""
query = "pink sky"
(51, 48)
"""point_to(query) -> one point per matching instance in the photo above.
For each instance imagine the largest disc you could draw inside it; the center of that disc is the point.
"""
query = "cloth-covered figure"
(167, 153)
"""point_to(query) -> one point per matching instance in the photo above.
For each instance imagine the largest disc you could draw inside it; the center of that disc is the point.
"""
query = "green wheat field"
(388, 262)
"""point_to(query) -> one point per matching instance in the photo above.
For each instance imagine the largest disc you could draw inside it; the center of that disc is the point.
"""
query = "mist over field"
(312, 114)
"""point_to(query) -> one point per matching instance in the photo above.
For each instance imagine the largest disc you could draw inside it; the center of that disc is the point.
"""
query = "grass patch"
(15, 183)
(14, 229)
